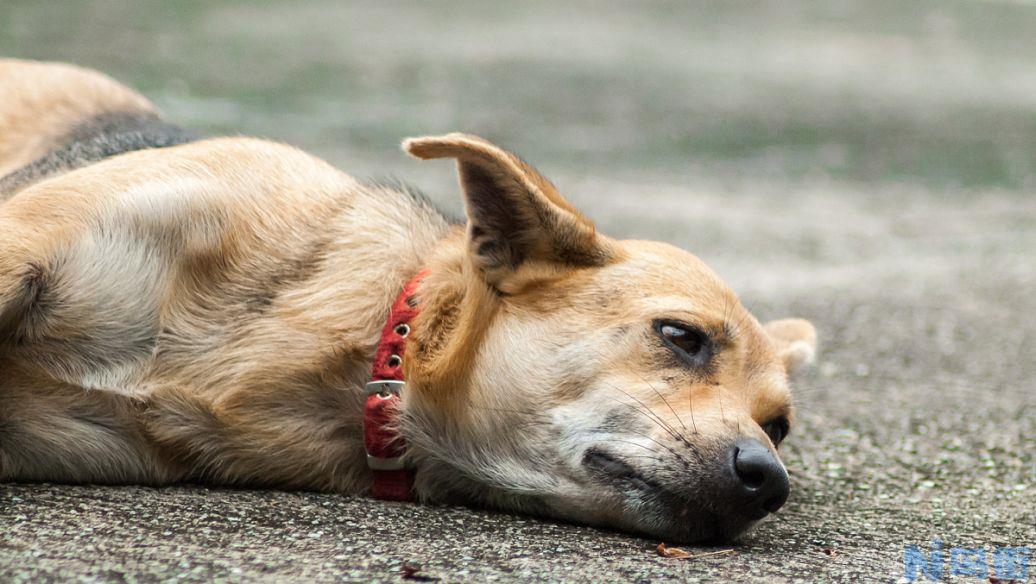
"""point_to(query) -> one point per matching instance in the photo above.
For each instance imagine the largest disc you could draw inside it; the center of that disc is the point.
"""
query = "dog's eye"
(690, 342)
(687, 342)
(777, 429)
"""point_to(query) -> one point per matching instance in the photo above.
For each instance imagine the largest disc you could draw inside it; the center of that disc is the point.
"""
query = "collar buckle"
(393, 463)
(385, 388)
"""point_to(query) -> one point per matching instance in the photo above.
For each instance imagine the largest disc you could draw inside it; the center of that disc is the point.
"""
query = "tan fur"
(41, 102)
(209, 312)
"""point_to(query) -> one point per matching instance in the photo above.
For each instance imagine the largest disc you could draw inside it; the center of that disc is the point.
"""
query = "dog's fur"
(177, 310)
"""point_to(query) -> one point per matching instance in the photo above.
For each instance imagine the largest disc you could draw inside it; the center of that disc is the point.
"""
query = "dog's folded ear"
(796, 341)
(516, 218)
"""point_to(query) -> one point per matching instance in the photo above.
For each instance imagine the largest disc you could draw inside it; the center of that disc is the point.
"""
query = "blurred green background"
(941, 94)
(867, 164)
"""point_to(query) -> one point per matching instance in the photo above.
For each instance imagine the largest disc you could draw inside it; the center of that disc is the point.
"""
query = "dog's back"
(56, 117)
(210, 311)
(183, 271)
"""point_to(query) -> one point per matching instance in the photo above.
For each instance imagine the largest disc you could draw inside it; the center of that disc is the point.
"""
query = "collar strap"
(393, 481)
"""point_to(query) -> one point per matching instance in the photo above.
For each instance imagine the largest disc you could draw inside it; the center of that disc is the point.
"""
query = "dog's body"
(178, 310)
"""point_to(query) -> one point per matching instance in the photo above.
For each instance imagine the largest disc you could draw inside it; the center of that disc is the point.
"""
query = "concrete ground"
(870, 165)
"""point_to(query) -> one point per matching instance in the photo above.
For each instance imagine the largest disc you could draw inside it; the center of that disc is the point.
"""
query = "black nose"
(763, 481)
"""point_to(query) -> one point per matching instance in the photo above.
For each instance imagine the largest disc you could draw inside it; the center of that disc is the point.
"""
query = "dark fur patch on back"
(412, 194)
(104, 136)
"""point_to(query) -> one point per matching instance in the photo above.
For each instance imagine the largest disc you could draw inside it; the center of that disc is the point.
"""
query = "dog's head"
(618, 383)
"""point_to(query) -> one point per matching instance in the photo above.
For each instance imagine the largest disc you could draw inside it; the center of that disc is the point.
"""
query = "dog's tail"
(56, 117)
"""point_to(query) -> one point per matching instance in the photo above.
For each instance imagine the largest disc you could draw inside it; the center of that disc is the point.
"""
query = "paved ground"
(868, 165)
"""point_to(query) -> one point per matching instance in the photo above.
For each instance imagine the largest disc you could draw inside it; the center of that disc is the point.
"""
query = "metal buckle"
(394, 463)
(385, 388)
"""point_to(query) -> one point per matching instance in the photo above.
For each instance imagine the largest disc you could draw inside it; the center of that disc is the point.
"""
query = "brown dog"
(177, 310)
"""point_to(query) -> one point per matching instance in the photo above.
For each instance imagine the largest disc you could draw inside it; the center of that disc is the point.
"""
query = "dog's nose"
(761, 477)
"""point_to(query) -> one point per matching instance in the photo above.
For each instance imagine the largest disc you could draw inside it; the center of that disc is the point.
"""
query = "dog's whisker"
(675, 436)
(659, 394)
(661, 423)
(666, 447)
(670, 449)
(722, 412)
(633, 442)
(690, 405)
(744, 316)
(646, 411)
(643, 457)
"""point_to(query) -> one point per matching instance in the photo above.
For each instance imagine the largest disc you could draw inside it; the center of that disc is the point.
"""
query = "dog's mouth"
(611, 469)
(678, 513)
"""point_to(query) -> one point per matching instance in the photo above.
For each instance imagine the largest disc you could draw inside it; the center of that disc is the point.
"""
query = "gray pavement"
(869, 166)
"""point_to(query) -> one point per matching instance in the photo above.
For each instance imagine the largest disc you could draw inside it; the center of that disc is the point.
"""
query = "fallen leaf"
(679, 554)
(671, 552)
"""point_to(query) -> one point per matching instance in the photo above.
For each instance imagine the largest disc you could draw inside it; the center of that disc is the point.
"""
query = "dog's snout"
(761, 478)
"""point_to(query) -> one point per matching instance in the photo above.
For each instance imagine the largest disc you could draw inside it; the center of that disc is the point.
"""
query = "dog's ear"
(515, 216)
(796, 341)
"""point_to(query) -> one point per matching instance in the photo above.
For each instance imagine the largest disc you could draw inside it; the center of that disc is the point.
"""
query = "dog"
(177, 309)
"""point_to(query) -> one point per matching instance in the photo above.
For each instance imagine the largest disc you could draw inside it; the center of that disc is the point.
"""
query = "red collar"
(393, 481)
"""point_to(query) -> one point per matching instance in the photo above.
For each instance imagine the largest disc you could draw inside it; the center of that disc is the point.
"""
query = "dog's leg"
(50, 431)
(296, 437)
(80, 304)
